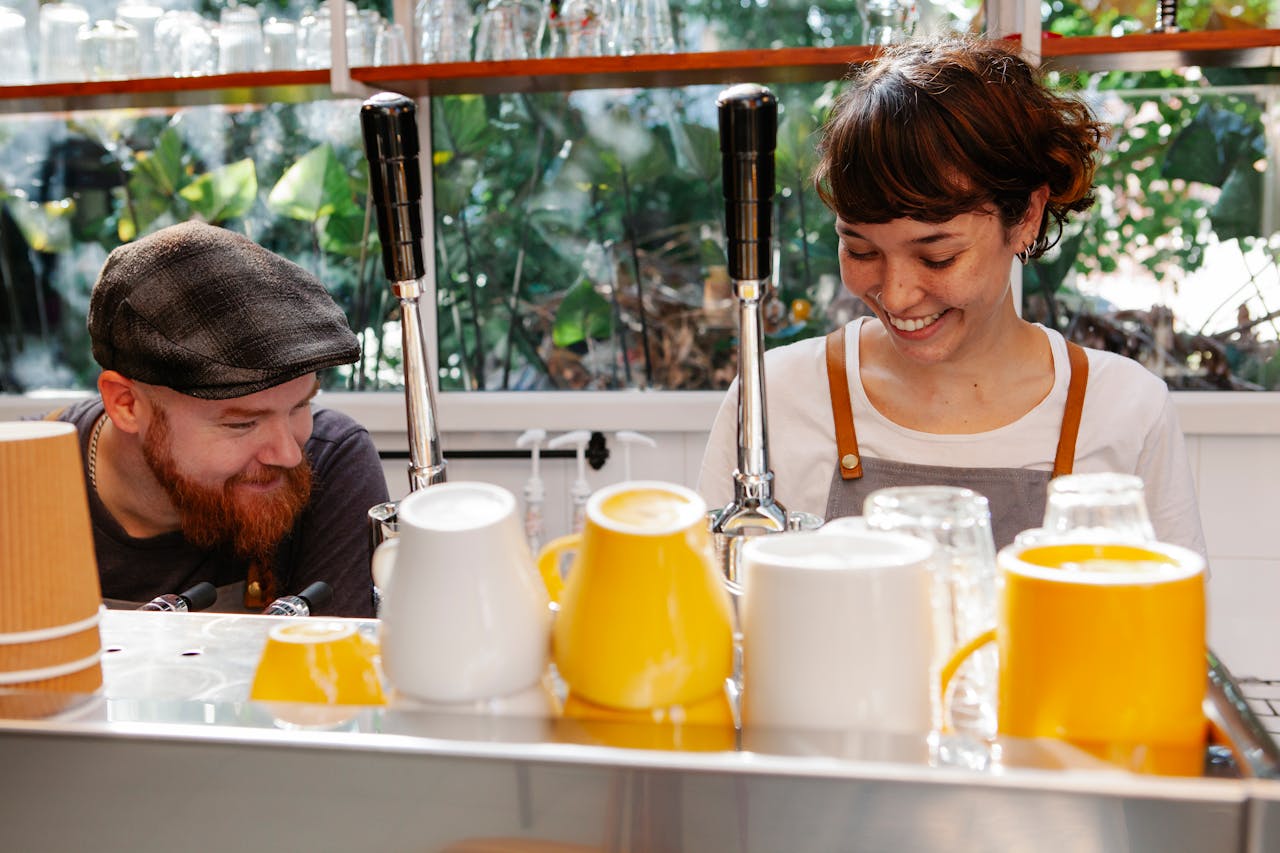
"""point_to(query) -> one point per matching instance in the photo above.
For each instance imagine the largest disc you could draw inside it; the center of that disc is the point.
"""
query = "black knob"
(199, 596)
(317, 594)
(390, 131)
(748, 135)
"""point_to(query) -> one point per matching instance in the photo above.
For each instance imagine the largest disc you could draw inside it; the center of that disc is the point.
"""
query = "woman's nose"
(898, 290)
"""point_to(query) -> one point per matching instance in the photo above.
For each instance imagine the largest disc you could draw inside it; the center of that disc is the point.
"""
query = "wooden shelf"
(1148, 51)
(1158, 51)
(784, 65)
(167, 92)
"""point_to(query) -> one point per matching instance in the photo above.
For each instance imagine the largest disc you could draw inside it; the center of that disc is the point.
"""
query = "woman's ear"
(1034, 218)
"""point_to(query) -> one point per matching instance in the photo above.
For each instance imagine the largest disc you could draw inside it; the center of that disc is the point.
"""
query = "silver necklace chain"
(93, 449)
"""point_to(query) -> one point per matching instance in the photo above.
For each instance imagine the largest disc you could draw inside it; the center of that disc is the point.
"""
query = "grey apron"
(1016, 495)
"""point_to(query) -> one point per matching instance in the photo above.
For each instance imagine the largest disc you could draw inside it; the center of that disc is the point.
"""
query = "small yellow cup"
(645, 620)
(1103, 646)
(319, 662)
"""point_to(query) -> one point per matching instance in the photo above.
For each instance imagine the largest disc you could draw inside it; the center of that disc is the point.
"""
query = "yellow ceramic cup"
(1103, 645)
(645, 620)
(318, 661)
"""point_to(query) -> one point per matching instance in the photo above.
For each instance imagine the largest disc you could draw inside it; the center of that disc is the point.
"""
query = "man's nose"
(280, 446)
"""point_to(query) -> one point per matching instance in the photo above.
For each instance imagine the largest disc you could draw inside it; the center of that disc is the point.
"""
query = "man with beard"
(204, 457)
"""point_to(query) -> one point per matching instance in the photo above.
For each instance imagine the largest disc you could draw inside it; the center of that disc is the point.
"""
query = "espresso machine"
(390, 128)
(748, 133)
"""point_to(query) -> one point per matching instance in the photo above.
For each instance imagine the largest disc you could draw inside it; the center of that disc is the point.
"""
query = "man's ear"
(124, 404)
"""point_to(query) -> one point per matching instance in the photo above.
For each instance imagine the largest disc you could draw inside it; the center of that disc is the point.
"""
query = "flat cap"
(210, 313)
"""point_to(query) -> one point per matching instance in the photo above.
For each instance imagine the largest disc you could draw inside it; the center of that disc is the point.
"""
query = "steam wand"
(390, 131)
(748, 134)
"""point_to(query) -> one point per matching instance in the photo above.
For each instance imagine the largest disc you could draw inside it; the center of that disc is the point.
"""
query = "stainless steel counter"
(173, 756)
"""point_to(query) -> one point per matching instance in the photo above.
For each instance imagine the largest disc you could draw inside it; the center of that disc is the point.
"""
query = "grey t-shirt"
(329, 542)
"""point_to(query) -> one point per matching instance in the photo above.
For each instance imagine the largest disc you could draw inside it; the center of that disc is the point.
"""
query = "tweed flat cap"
(210, 313)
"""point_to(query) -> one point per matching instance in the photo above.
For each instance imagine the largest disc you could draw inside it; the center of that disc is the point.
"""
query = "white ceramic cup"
(837, 632)
(464, 612)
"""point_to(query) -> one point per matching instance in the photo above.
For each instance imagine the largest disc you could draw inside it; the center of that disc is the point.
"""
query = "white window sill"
(1200, 412)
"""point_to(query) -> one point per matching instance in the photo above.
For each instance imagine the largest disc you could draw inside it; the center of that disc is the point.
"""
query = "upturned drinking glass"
(13, 33)
(510, 29)
(886, 21)
(958, 522)
(444, 30)
(1106, 505)
(58, 57)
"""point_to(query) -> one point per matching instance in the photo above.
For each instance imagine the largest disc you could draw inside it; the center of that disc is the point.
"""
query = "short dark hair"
(934, 128)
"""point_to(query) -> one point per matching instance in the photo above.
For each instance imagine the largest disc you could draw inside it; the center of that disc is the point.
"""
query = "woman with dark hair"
(944, 161)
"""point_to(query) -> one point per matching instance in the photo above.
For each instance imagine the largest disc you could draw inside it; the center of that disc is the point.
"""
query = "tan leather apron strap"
(847, 456)
(55, 414)
(1078, 359)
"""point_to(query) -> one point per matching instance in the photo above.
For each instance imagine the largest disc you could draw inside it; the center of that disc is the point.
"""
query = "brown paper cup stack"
(50, 599)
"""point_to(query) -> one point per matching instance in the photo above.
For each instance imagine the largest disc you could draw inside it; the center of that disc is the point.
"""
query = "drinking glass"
(1107, 505)
(15, 70)
(279, 44)
(239, 40)
(185, 44)
(391, 48)
(578, 28)
(314, 50)
(444, 30)
(142, 16)
(59, 54)
(510, 29)
(886, 21)
(644, 26)
(362, 37)
(958, 522)
(108, 50)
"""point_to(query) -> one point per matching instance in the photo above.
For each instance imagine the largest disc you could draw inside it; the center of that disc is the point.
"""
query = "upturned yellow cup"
(318, 661)
(1103, 645)
(645, 620)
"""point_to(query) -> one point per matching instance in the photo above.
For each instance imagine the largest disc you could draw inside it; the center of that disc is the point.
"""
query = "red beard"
(253, 523)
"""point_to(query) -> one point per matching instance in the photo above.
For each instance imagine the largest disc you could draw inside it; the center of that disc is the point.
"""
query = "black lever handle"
(390, 131)
(748, 136)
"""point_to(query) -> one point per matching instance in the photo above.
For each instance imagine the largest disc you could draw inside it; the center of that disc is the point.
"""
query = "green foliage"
(314, 187)
(228, 192)
(582, 314)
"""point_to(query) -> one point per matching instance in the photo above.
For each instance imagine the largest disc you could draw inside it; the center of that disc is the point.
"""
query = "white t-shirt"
(1128, 425)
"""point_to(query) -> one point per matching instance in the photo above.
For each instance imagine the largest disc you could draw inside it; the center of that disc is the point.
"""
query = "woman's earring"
(1025, 254)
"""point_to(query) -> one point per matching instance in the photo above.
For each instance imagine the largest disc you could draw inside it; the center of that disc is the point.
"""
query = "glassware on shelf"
(362, 36)
(185, 45)
(239, 40)
(17, 68)
(444, 30)
(279, 44)
(643, 26)
(887, 21)
(314, 28)
(142, 16)
(58, 58)
(391, 46)
(510, 29)
(578, 28)
(108, 50)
